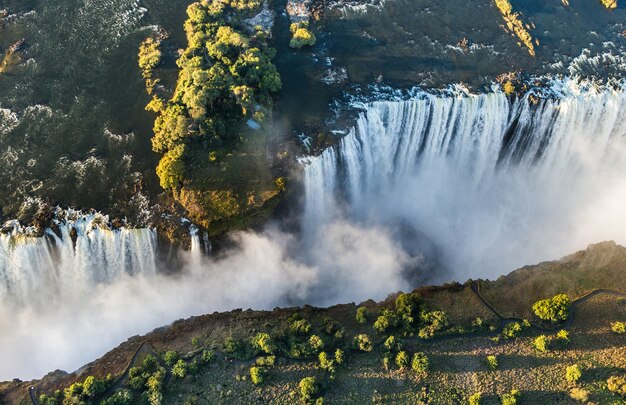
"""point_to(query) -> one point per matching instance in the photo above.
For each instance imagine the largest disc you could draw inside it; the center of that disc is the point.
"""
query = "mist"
(76, 327)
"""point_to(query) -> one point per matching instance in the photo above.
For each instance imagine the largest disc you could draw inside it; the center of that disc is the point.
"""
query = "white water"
(493, 184)
(37, 271)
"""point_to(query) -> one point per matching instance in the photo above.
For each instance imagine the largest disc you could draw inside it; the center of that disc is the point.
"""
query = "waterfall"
(84, 254)
(477, 173)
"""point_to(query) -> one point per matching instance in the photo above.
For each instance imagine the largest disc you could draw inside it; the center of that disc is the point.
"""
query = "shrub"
(617, 385)
(475, 399)
(361, 315)
(326, 363)
(300, 327)
(385, 320)
(541, 343)
(553, 309)
(508, 88)
(579, 394)
(420, 364)
(492, 362)
(267, 361)
(363, 343)
(510, 398)
(93, 387)
(301, 37)
(573, 373)
(618, 327)
(257, 375)
(392, 344)
(402, 360)
(309, 389)
(316, 343)
(562, 339)
(207, 356)
(180, 369)
(264, 343)
(171, 357)
(121, 397)
(231, 346)
(435, 321)
(339, 356)
(512, 330)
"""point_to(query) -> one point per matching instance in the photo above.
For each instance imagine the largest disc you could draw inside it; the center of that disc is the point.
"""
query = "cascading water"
(484, 178)
(85, 253)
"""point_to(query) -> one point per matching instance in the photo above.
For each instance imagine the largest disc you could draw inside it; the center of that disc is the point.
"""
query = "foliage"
(180, 369)
(301, 35)
(316, 343)
(257, 375)
(170, 357)
(475, 399)
(561, 339)
(361, 315)
(266, 361)
(120, 397)
(326, 363)
(231, 346)
(264, 343)
(541, 343)
(339, 356)
(618, 327)
(617, 385)
(514, 329)
(92, 387)
(207, 356)
(515, 24)
(573, 373)
(508, 88)
(510, 398)
(553, 309)
(392, 344)
(492, 362)
(433, 321)
(402, 360)
(225, 77)
(309, 389)
(363, 343)
(610, 4)
(420, 363)
(387, 319)
(171, 168)
(579, 394)
(300, 327)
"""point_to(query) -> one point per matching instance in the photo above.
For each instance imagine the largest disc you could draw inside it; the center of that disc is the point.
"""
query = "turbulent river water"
(437, 186)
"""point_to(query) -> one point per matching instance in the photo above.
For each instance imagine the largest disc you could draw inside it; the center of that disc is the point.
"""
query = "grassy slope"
(457, 363)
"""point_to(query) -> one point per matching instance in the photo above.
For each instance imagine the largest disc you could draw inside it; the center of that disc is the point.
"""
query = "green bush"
(553, 309)
(361, 315)
(316, 343)
(257, 375)
(475, 399)
(492, 362)
(579, 394)
(514, 329)
(263, 342)
(420, 363)
(617, 385)
(301, 36)
(402, 360)
(541, 343)
(207, 356)
(171, 357)
(180, 369)
(573, 373)
(434, 322)
(231, 346)
(561, 339)
(387, 319)
(392, 344)
(267, 361)
(339, 356)
(300, 327)
(309, 389)
(121, 397)
(363, 343)
(510, 398)
(618, 327)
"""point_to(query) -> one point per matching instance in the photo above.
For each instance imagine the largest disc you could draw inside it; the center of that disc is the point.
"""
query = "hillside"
(214, 355)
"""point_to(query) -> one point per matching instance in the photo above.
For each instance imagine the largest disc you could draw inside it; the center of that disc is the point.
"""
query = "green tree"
(362, 342)
(309, 389)
(361, 315)
(171, 357)
(180, 369)
(573, 373)
(263, 342)
(402, 360)
(420, 363)
(553, 309)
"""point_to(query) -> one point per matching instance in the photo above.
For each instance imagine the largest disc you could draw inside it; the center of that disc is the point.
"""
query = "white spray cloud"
(354, 264)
